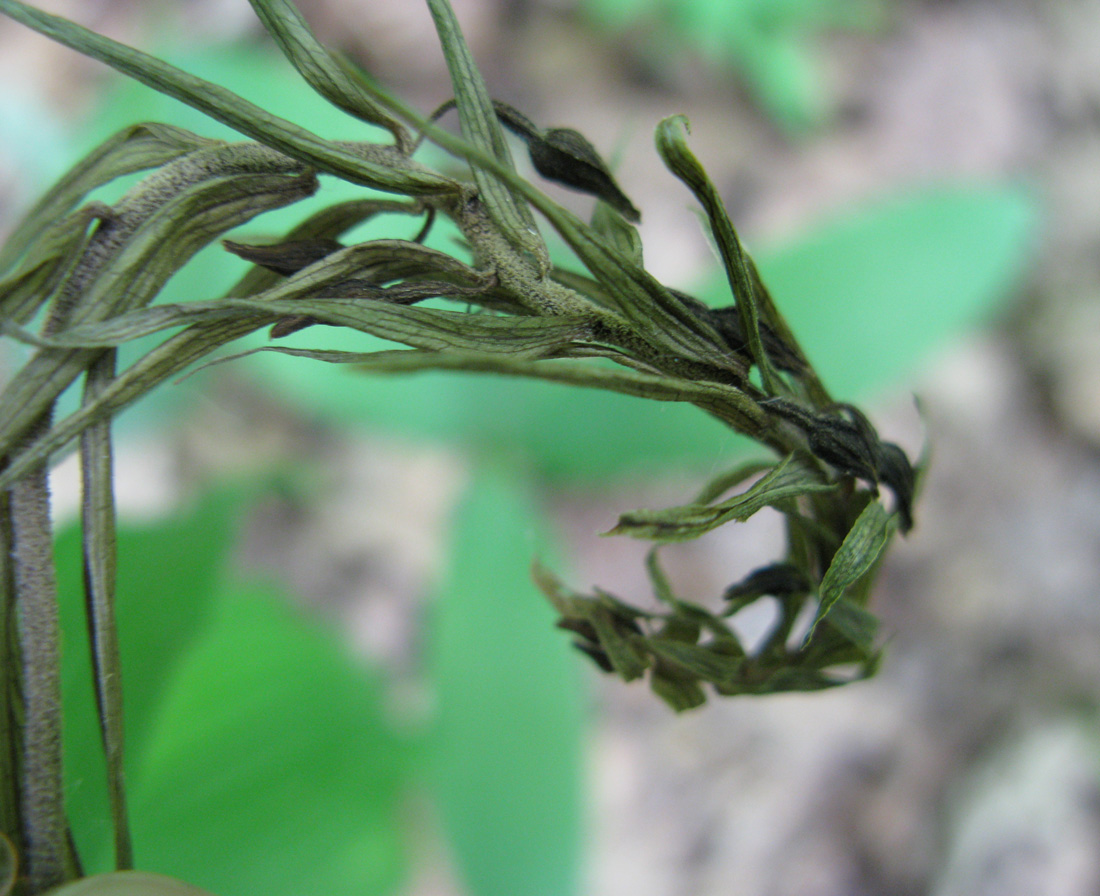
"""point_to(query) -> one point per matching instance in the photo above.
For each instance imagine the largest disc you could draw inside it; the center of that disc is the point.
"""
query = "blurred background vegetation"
(321, 692)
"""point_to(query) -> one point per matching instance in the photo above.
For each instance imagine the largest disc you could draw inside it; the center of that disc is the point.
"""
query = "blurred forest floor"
(971, 764)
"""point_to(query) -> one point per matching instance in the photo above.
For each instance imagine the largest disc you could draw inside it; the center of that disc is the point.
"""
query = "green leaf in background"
(127, 883)
(896, 278)
(508, 745)
(259, 761)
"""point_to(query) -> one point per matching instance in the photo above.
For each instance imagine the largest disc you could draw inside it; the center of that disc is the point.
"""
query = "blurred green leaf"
(508, 745)
(768, 43)
(258, 758)
(871, 292)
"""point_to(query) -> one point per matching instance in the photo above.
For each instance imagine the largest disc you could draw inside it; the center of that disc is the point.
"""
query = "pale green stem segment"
(481, 127)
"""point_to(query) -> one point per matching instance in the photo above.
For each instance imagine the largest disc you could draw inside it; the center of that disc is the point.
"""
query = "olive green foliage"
(79, 279)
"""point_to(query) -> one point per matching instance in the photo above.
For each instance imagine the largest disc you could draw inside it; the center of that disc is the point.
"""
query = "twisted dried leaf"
(673, 148)
(792, 477)
(152, 232)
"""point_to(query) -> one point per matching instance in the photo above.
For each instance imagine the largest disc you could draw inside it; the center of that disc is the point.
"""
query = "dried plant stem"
(47, 857)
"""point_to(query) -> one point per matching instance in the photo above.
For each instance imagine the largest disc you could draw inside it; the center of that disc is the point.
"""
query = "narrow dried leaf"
(35, 281)
(135, 148)
(10, 684)
(328, 223)
(619, 232)
(164, 362)
(565, 156)
(777, 579)
(381, 167)
(287, 257)
(681, 694)
(9, 860)
(721, 484)
(698, 659)
(321, 69)
(431, 329)
(857, 625)
(649, 307)
(182, 207)
(100, 548)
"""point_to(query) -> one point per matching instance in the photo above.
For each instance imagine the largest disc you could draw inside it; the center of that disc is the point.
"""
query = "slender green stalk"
(98, 519)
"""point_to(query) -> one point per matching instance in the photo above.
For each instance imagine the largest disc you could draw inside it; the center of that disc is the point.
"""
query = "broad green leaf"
(873, 291)
(166, 584)
(320, 68)
(381, 167)
(863, 544)
(128, 883)
(481, 128)
(508, 747)
(270, 768)
(244, 721)
(789, 479)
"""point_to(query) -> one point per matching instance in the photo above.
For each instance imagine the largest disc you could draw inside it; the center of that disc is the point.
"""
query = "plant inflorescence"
(79, 279)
